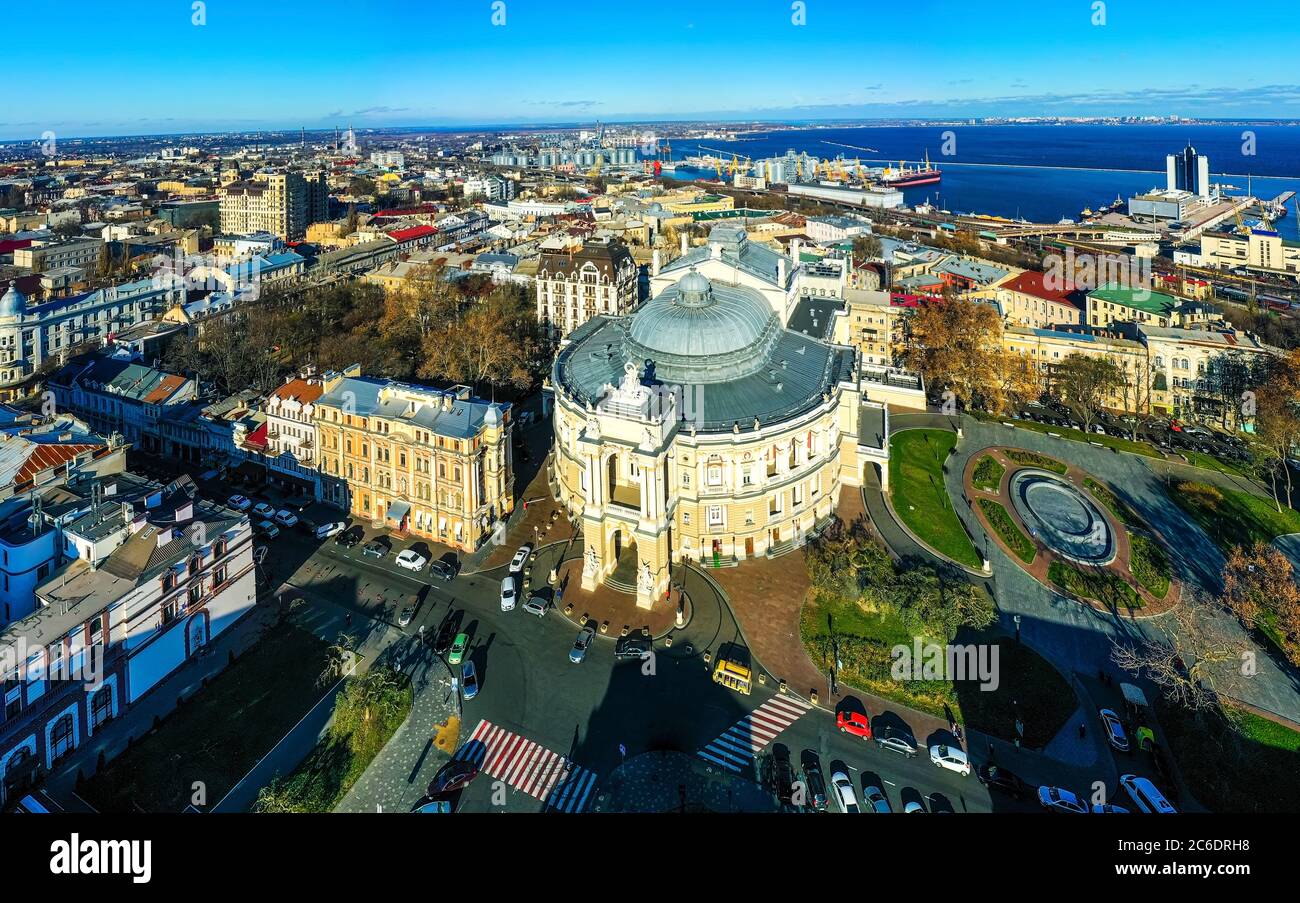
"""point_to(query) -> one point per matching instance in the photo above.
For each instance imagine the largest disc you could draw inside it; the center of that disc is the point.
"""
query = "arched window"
(61, 741)
(101, 706)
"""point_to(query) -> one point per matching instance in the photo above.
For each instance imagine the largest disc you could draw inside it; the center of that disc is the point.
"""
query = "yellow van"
(732, 675)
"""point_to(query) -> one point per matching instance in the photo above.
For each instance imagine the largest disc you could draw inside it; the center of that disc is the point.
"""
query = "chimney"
(654, 263)
(780, 271)
(715, 251)
(794, 251)
(685, 242)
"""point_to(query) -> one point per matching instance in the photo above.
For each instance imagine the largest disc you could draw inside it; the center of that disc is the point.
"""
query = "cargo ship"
(911, 178)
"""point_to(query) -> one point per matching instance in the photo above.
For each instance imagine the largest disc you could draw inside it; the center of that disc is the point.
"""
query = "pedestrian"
(347, 618)
(1083, 729)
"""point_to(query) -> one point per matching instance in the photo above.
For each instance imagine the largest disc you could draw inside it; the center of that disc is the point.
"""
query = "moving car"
(441, 568)
(508, 594)
(405, 617)
(536, 605)
(267, 529)
(844, 795)
(239, 502)
(349, 538)
(1145, 796)
(897, 742)
(375, 549)
(995, 777)
(411, 560)
(453, 776)
(286, 518)
(581, 644)
(1058, 799)
(521, 558)
(1114, 729)
(876, 799)
(855, 723)
(442, 642)
(468, 679)
(325, 531)
(437, 807)
(263, 510)
(632, 647)
(458, 649)
(950, 758)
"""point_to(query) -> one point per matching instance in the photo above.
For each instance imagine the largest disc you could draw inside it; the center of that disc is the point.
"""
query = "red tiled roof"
(299, 390)
(257, 437)
(44, 457)
(1033, 283)
(166, 389)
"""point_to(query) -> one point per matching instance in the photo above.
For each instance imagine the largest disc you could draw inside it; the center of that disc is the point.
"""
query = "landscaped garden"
(217, 736)
(1007, 530)
(988, 474)
(1033, 459)
(1123, 513)
(1234, 518)
(1099, 584)
(1149, 564)
(919, 496)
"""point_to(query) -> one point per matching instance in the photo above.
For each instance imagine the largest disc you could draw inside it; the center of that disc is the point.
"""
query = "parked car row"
(1141, 791)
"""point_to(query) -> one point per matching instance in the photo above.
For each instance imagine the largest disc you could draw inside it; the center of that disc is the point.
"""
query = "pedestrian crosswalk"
(530, 767)
(736, 747)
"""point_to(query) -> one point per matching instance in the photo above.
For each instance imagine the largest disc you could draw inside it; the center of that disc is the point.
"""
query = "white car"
(286, 518)
(508, 594)
(951, 758)
(844, 795)
(411, 560)
(239, 502)
(876, 799)
(1058, 799)
(521, 558)
(325, 531)
(263, 510)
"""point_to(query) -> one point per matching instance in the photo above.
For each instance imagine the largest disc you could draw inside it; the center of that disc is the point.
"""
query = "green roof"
(1143, 299)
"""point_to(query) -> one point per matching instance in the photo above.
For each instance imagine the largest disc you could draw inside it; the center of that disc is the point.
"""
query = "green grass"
(1116, 442)
(1234, 518)
(1006, 528)
(1209, 462)
(918, 494)
(988, 474)
(1102, 585)
(1149, 564)
(1034, 459)
(1123, 513)
(1244, 764)
(220, 733)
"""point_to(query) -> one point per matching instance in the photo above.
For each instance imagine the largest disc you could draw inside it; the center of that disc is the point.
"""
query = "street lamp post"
(1016, 619)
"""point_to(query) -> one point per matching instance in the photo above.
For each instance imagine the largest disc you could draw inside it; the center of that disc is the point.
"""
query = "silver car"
(581, 644)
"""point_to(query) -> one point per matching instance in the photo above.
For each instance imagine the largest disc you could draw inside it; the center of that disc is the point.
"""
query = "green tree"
(1084, 383)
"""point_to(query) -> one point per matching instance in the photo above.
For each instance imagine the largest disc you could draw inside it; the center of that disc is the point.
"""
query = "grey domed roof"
(700, 331)
(13, 303)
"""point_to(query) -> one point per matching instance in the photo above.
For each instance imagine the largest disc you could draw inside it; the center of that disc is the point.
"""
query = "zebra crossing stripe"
(737, 746)
(530, 767)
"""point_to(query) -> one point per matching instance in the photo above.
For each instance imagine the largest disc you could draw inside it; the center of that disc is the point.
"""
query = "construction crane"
(735, 164)
(717, 164)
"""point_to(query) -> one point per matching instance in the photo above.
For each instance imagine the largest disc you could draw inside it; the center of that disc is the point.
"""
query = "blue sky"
(141, 66)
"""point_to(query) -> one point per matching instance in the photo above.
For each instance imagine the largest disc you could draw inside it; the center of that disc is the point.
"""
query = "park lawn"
(919, 496)
(1006, 528)
(1100, 584)
(1027, 684)
(1209, 462)
(1234, 518)
(988, 474)
(217, 735)
(1149, 565)
(1242, 764)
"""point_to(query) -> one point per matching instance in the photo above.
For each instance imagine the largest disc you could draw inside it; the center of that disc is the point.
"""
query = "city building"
(598, 278)
(436, 464)
(282, 203)
(1186, 364)
(1261, 249)
(1188, 171)
(74, 253)
(151, 575)
(699, 427)
(1031, 300)
(1113, 303)
(32, 335)
(116, 395)
(731, 257)
(285, 442)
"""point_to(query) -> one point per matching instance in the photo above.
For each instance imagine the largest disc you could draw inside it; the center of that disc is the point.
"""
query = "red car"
(855, 723)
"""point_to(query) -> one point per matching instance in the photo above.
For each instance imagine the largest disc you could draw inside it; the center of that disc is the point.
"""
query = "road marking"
(531, 768)
(736, 747)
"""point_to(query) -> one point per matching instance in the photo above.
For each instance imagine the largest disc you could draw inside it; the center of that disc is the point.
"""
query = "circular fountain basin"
(1063, 517)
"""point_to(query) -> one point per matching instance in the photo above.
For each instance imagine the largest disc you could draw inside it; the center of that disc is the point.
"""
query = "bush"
(1099, 584)
(1034, 459)
(1149, 564)
(988, 474)
(1006, 528)
(1123, 512)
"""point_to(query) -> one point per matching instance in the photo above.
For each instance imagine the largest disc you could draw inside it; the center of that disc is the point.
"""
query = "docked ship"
(910, 178)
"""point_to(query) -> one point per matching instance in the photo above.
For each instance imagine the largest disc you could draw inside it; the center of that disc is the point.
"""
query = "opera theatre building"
(700, 427)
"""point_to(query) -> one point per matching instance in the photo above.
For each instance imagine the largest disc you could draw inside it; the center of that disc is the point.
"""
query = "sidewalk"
(665, 781)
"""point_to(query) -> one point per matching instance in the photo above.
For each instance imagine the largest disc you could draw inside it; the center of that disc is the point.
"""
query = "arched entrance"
(19, 771)
(622, 548)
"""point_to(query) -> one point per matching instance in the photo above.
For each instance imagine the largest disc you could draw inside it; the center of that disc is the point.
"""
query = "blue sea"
(1043, 172)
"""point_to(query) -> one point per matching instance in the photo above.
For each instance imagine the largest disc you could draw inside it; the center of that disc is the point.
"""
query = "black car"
(995, 777)
(444, 569)
(350, 537)
(815, 789)
(632, 647)
(446, 633)
(782, 777)
(453, 776)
